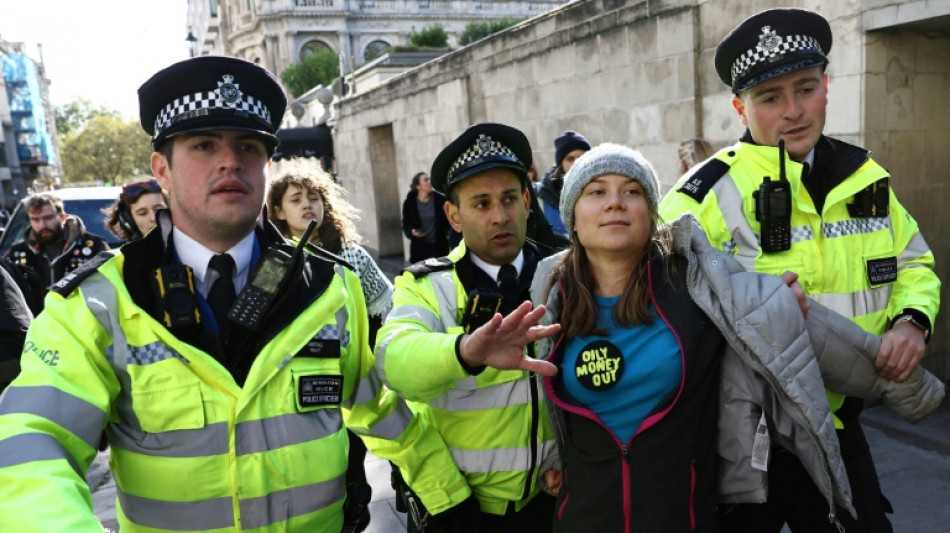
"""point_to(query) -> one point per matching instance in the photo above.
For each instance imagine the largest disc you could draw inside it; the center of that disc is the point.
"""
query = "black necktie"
(221, 296)
(508, 281)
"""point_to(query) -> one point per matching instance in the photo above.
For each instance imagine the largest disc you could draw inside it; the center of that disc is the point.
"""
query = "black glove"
(463, 518)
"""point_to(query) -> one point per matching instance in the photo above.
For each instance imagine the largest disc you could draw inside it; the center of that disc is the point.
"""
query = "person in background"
(225, 364)
(299, 192)
(133, 213)
(693, 152)
(57, 243)
(446, 348)
(567, 148)
(673, 360)
(787, 197)
(423, 220)
(15, 318)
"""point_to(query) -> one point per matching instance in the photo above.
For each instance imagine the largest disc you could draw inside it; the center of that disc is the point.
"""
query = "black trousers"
(794, 498)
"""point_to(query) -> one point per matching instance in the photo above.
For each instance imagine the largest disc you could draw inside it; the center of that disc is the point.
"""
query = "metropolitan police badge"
(229, 91)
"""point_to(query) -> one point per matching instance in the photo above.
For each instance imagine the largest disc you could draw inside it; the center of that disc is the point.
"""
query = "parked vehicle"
(84, 202)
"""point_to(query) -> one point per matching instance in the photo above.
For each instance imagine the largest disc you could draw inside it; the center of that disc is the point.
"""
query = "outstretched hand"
(500, 342)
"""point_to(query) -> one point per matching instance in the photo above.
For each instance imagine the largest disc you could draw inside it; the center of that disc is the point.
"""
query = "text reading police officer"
(786, 197)
(446, 347)
(218, 419)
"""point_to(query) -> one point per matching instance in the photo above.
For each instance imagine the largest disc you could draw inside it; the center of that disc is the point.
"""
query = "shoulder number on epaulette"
(68, 283)
(433, 264)
(703, 179)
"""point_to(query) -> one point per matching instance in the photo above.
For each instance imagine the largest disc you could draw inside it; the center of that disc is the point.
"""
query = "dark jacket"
(671, 459)
(411, 221)
(15, 318)
(79, 247)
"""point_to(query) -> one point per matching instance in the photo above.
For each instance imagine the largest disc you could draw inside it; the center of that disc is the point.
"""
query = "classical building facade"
(279, 33)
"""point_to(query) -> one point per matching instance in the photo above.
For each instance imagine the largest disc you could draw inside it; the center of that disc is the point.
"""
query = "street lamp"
(191, 42)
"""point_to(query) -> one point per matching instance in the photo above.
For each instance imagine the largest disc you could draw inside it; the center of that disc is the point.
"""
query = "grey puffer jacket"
(777, 365)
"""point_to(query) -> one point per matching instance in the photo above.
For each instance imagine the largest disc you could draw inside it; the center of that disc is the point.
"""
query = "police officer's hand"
(791, 279)
(902, 348)
(500, 342)
(463, 518)
(553, 479)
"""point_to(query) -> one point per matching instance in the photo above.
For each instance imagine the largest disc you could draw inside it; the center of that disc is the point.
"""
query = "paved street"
(913, 462)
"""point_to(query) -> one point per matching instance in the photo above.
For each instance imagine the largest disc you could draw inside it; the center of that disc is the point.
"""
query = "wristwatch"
(914, 321)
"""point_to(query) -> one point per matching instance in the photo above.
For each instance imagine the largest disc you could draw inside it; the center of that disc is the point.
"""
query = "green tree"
(475, 31)
(319, 68)
(73, 116)
(106, 149)
(430, 37)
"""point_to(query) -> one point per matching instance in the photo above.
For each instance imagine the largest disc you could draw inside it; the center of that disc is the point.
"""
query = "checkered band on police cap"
(771, 47)
(227, 96)
(770, 44)
(210, 93)
(484, 148)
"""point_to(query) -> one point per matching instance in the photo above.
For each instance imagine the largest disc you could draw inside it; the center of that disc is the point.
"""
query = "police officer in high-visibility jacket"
(223, 363)
(446, 347)
(786, 197)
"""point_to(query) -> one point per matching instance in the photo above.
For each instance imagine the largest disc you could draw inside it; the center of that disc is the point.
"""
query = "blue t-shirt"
(623, 375)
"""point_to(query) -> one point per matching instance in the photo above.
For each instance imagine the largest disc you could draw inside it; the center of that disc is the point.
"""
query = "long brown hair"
(339, 215)
(574, 274)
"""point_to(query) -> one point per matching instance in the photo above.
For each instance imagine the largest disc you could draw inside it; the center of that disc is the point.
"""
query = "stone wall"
(641, 74)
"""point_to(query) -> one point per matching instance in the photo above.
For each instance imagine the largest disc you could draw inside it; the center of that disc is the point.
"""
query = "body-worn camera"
(482, 305)
(174, 290)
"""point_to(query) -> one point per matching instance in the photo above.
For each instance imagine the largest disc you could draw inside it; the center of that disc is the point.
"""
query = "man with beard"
(57, 243)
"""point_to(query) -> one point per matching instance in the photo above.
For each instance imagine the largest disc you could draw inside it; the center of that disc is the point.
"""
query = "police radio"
(265, 283)
(773, 209)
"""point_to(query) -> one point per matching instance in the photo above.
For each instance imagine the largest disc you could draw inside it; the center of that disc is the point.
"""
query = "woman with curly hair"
(301, 191)
(133, 213)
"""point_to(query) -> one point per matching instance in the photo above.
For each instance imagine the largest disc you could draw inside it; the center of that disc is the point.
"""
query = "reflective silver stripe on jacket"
(857, 303)
(499, 459)
(283, 505)
(743, 238)
(256, 436)
(495, 397)
(915, 249)
(202, 515)
(32, 447)
(73, 414)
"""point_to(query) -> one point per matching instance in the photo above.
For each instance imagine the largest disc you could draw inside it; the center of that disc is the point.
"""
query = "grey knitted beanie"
(606, 158)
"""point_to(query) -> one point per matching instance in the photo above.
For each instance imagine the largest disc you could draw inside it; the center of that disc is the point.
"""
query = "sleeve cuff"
(473, 371)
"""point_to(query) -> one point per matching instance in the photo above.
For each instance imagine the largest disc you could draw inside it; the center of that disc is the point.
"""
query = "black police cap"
(770, 44)
(211, 93)
(481, 147)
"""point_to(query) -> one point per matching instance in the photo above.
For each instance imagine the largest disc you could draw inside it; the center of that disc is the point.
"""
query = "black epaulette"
(432, 264)
(703, 179)
(68, 283)
(327, 255)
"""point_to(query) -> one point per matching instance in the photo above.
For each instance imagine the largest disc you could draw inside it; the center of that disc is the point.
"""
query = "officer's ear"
(160, 169)
(739, 106)
(452, 213)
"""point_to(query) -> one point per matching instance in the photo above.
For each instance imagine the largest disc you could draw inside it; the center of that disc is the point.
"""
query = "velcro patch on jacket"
(68, 283)
(699, 184)
(432, 264)
(314, 391)
(882, 270)
(321, 349)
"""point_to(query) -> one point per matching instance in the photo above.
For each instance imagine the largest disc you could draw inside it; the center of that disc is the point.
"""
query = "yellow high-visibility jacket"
(870, 267)
(495, 423)
(190, 449)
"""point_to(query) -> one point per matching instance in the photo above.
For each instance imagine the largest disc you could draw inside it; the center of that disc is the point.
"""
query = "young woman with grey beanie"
(667, 360)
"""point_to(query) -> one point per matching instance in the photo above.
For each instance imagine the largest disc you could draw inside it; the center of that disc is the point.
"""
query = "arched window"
(375, 49)
(311, 47)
